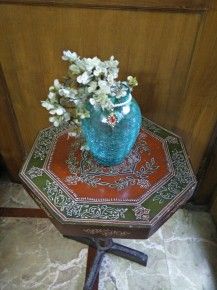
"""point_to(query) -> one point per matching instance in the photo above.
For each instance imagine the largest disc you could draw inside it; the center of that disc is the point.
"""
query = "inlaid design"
(45, 140)
(34, 172)
(106, 232)
(72, 209)
(145, 168)
(181, 179)
(144, 190)
(87, 170)
(141, 213)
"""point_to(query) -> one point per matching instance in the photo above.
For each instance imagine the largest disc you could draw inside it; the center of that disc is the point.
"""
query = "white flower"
(104, 87)
(60, 111)
(83, 116)
(113, 62)
(52, 96)
(55, 120)
(58, 119)
(51, 89)
(83, 113)
(119, 90)
(95, 83)
(92, 87)
(75, 69)
(110, 79)
(92, 101)
(80, 64)
(76, 121)
(84, 78)
(68, 93)
(114, 72)
(46, 104)
(64, 92)
(70, 56)
(100, 70)
(66, 117)
(90, 63)
(82, 93)
(121, 93)
(72, 93)
(52, 112)
(132, 81)
(112, 66)
(104, 101)
(56, 123)
(52, 119)
(57, 84)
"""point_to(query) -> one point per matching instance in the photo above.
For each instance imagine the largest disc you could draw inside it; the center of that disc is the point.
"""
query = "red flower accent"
(112, 119)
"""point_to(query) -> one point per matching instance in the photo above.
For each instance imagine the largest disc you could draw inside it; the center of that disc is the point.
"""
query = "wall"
(170, 48)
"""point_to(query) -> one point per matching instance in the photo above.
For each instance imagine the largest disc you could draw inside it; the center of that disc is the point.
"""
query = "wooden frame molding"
(214, 206)
(168, 5)
(22, 212)
(207, 174)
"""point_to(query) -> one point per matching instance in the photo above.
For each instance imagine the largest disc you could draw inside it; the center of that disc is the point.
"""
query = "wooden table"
(93, 204)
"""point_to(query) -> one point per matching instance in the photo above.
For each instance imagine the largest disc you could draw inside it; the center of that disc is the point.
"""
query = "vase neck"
(126, 102)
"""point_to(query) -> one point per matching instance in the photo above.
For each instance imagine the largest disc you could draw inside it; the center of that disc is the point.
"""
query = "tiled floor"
(33, 255)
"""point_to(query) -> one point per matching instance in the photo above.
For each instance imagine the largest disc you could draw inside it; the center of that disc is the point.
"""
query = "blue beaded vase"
(109, 144)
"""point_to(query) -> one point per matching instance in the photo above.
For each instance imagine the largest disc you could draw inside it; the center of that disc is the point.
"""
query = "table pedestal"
(104, 246)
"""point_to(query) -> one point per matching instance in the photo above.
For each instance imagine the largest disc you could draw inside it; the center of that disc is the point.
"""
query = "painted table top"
(142, 192)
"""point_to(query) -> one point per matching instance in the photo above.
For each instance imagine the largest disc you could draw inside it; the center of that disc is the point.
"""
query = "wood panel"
(214, 206)
(198, 114)
(156, 47)
(208, 172)
(22, 212)
(11, 147)
(168, 5)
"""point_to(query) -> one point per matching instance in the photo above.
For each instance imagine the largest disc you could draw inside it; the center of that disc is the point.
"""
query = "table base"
(103, 246)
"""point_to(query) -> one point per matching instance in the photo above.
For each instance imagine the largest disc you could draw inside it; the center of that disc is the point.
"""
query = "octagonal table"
(93, 204)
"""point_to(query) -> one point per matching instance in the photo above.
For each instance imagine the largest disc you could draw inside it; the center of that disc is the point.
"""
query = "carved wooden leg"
(129, 254)
(94, 270)
(108, 246)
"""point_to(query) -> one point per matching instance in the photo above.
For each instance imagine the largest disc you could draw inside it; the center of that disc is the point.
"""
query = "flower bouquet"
(97, 106)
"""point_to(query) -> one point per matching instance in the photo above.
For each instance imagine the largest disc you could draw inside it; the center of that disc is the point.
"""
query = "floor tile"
(14, 195)
(118, 273)
(191, 251)
(34, 255)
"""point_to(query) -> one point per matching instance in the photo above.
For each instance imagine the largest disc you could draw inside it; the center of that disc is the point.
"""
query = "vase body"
(108, 144)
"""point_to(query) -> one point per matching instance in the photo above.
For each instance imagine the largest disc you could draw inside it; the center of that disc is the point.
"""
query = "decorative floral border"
(73, 209)
(91, 173)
